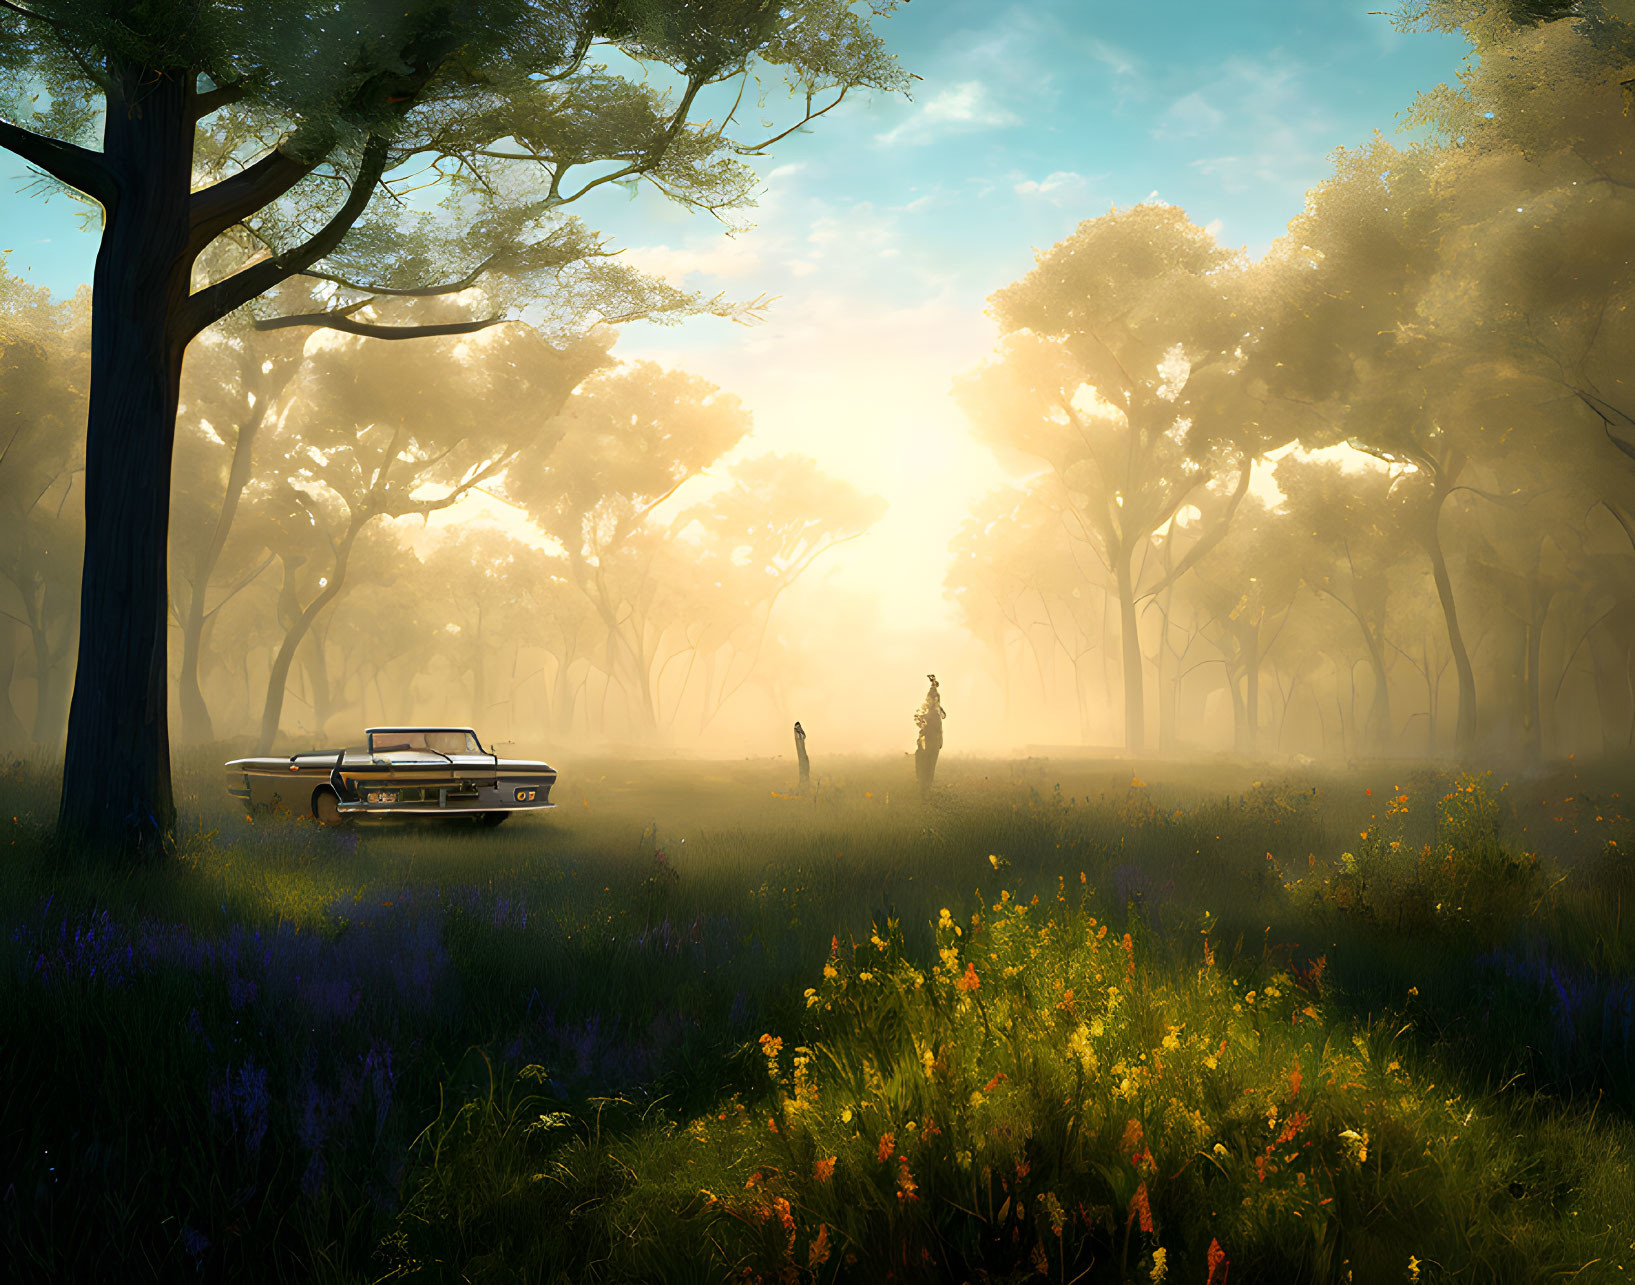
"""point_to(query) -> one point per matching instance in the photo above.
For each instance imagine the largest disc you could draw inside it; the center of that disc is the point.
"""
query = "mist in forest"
(1370, 493)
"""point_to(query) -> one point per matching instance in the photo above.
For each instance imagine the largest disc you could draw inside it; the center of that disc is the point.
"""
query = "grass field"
(1086, 1020)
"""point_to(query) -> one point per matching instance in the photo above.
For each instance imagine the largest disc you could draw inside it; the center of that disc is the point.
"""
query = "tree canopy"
(411, 151)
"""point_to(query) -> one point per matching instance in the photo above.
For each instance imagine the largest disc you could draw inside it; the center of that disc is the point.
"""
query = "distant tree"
(1027, 584)
(44, 357)
(749, 543)
(384, 633)
(475, 583)
(295, 128)
(1342, 533)
(1119, 374)
(371, 425)
(234, 383)
(626, 441)
(1345, 342)
(1247, 589)
(1540, 188)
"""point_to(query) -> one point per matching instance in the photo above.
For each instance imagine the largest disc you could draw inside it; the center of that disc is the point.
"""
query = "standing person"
(800, 755)
(928, 718)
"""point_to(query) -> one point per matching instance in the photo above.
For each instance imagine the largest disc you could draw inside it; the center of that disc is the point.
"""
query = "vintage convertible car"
(401, 771)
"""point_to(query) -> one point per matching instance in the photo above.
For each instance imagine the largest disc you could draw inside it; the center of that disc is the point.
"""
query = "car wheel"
(326, 806)
(492, 819)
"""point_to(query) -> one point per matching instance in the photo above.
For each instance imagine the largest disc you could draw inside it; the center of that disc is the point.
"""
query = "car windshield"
(417, 739)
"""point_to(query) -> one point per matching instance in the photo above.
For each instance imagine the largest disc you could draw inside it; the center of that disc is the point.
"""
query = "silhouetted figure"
(800, 755)
(928, 718)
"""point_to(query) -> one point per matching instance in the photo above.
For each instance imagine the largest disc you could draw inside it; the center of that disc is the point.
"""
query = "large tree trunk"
(1130, 638)
(116, 793)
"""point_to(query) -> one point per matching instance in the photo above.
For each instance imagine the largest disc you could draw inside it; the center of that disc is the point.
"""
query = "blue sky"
(1028, 117)
(882, 231)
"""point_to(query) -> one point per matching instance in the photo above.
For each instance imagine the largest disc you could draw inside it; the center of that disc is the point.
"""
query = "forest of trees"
(1371, 493)
(302, 600)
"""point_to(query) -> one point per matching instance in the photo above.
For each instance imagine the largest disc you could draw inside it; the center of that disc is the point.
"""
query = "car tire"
(326, 806)
(492, 819)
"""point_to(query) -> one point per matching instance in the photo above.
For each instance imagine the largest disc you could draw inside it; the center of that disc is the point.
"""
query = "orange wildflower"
(1141, 1210)
(818, 1253)
(993, 1084)
(1296, 1122)
(1217, 1258)
(1294, 1082)
(1129, 955)
(824, 1168)
(786, 1216)
(888, 1142)
(965, 985)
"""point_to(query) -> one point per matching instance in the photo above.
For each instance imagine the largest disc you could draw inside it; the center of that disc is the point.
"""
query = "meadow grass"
(665, 1032)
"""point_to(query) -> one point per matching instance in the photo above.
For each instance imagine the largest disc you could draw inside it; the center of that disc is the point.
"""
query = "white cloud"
(1059, 187)
(726, 257)
(1189, 117)
(858, 229)
(1112, 57)
(959, 109)
(1280, 129)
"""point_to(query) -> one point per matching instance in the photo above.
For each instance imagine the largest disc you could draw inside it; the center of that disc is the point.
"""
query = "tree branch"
(211, 304)
(371, 330)
(78, 167)
(1213, 537)
(97, 78)
(757, 148)
(408, 292)
(213, 100)
(244, 582)
(1601, 407)
(213, 210)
